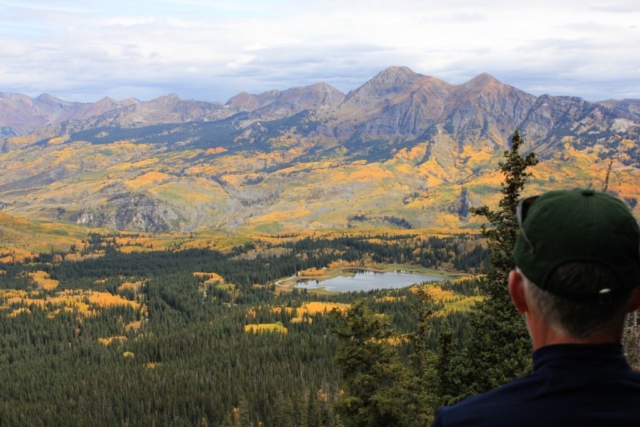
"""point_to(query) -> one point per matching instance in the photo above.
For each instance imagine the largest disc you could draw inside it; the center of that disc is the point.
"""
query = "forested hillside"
(198, 336)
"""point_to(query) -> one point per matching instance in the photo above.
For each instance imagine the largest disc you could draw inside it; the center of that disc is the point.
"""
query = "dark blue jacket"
(571, 385)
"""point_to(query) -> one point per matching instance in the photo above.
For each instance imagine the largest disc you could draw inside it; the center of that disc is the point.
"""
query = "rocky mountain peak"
(108, 99)
(314, 96)
(482, 82)
(170, 97)
(102, 106)
(14, 96)
(245, 101)
(45, 97)
(390, 81)
(396, 73)
(276, 103)
(47, 101)
(167, 100)
(129, 101)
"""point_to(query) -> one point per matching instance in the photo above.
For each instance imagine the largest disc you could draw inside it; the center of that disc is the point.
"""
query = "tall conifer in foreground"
(374, 387)
(499, 349)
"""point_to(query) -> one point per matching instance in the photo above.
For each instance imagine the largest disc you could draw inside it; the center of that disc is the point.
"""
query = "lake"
(369, 280)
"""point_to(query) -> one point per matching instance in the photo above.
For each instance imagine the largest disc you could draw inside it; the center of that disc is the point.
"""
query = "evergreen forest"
(151, 338)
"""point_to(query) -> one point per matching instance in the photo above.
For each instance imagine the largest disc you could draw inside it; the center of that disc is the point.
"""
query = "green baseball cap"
(568, 226)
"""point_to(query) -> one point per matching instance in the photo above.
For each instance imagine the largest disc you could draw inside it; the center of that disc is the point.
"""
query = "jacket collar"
(580, 356)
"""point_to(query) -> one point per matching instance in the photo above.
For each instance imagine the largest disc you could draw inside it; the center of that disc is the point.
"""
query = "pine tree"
(446, 386)
(374, 388)
(313, 410)
(284, 413)
(424, 398)
(238, 417)
(499, 348)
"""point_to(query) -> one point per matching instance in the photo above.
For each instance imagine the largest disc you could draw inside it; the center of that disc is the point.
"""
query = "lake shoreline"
(288, 284)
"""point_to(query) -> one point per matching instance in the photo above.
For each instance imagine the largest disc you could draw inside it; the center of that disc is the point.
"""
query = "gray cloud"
(618, 8)
(213, 50)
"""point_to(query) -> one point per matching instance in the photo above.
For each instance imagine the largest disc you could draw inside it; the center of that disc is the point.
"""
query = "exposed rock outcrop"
(136, 212)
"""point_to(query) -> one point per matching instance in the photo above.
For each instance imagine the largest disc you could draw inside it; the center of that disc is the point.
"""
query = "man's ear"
(635, 300)
(516, 290)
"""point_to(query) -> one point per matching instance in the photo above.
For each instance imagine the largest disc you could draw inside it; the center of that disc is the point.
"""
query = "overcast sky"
(83, 50)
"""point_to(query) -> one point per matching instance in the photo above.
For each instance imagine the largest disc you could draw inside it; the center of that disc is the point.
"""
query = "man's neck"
(542, 334)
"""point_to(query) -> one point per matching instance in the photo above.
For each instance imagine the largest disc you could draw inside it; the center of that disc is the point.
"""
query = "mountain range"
(402, 150)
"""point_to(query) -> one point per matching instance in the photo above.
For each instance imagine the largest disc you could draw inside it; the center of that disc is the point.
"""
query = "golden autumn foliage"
(17, 311)
(289, 214)
(149, 178)
(340, 263)
(313, 272)
(133, 325)
(21, 237)
(105, 299)
(416, 153)
(215, 150)
(312, 308)
(452, 301)
(58, 140)
(421, 184)
(22, 140)
(209, 278)
(54, 313)
(266, 327)
(43, 280)
(440, 295)
(388, 298)
(394, 341)
(85, 303)
(307, 310)
(322, 395)
(110, 340)
(275, 310)
(370, 173)
(133, 286)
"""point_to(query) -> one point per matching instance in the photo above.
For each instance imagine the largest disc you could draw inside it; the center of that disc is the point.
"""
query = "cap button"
(588, 192)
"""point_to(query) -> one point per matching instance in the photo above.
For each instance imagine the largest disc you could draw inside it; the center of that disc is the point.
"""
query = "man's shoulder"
(538, 396)
(507, 395)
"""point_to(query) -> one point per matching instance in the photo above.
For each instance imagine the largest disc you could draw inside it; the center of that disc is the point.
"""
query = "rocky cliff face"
(421, 107)
(136, 212)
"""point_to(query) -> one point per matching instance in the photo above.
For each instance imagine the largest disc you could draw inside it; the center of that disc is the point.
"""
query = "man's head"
(578, 259)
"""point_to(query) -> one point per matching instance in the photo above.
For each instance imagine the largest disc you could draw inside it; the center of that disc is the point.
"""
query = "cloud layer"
(211, 50)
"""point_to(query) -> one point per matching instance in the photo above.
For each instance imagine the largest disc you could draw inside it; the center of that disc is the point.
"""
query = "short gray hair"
(579, 319)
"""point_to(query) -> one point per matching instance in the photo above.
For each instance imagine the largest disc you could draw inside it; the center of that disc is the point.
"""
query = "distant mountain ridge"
(21, 115)
(396, 103)
(403, 148)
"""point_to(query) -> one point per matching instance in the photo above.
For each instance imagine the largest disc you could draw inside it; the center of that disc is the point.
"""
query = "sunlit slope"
(23, 237)
(20, 237)
(154, 188)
